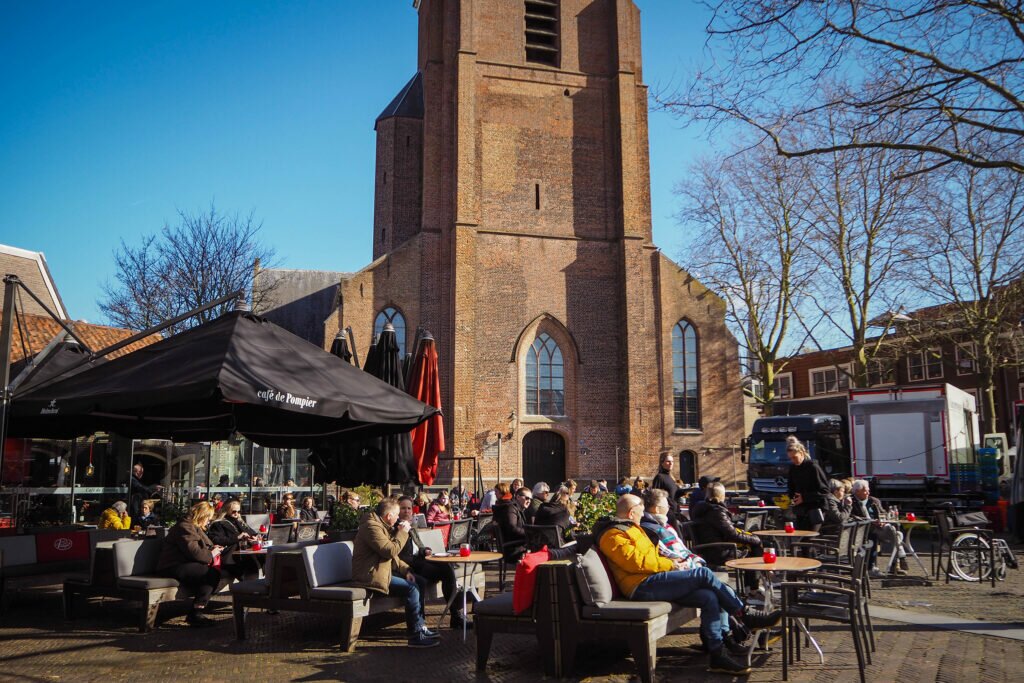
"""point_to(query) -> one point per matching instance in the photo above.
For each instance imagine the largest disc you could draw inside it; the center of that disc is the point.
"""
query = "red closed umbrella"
(425, 385)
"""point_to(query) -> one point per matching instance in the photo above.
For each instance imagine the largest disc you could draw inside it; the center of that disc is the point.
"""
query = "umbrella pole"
(74, 475)
(6, 337)
(252, 466)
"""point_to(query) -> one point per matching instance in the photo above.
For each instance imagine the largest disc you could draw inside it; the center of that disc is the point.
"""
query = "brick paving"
(102, 645)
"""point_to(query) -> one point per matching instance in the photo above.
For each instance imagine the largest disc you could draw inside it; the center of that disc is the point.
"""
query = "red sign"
(62, 546)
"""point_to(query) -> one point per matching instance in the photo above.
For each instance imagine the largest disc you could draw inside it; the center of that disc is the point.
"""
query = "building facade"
(512, 220)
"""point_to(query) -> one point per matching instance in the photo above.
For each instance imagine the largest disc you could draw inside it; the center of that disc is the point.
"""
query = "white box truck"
(915, 437)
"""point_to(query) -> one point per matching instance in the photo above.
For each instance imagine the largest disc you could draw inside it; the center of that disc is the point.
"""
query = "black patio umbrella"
(339, 347)
(66, 358)
(238, 373)
(387, 459)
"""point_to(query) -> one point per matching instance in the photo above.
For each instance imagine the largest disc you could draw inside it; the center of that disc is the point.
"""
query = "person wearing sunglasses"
(510, 516)
(230, 531)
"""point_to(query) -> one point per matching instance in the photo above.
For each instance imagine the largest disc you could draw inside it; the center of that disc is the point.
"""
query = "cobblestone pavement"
(102, 645)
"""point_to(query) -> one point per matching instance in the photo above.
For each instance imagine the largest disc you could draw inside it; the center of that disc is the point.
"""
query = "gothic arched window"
(685, 376)
(393, 316)
(545, 379)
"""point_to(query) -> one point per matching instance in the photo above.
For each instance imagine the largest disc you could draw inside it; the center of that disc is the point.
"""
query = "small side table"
(475, 557)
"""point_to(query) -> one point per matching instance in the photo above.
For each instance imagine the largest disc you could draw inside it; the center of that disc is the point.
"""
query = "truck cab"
(825, 436)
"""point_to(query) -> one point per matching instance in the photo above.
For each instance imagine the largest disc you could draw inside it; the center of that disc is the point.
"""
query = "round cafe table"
(453, 558)
(781, 564)
(785, 537)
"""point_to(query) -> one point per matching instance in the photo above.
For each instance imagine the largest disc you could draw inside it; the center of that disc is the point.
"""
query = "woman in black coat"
(188, 554)
(808, 487)
(231, 531)
(307, 513)
(555, 513)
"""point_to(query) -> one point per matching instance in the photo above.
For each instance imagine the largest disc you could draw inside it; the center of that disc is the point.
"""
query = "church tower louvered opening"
(542, 32)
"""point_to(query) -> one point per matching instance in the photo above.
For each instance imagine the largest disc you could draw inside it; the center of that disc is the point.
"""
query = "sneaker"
(199, 621)
(722, 663)
(903, 564)
(735, 646)
(427, 633)
(422, 640)
(755, 618)
(874, 573)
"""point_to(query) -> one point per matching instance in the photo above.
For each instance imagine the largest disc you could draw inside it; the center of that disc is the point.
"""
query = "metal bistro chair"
(509, 554)
(795, 607)
(540, 535)
(306, 532)
(459, 533)
(853, 576)
(279, 534)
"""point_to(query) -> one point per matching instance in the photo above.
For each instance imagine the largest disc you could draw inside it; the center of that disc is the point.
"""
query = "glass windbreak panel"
(277, 471)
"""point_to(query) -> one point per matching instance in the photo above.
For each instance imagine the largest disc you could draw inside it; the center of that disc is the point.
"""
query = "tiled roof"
(40, 330)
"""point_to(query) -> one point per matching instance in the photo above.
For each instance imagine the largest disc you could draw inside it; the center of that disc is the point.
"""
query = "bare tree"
(940, 78)
(751, 214)
(867, 205)
(204, 257)
(974, 237)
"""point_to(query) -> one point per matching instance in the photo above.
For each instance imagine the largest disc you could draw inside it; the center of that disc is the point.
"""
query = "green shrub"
(590, 509)
(344, 518)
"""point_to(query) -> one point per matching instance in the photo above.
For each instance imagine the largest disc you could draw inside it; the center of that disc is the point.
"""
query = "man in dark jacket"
(700, 493)
(664, 480)
(510, 517)
(866, 506)
(712, 524)
(414, 553)
(139, 491)
(541, 492)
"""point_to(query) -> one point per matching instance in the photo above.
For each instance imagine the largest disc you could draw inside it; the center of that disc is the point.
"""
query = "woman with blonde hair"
(189, 556)
(808, 487)
(230, 531)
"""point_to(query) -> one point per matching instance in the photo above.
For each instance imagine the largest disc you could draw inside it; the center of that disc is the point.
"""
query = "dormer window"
(542, 32)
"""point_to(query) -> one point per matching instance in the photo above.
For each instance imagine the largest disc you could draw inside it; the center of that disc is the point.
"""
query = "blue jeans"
(413, 608)
(695, 588)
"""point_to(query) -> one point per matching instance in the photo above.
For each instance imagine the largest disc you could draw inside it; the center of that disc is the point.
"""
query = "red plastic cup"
(789, 527)
(768, 557)
(464, 550)
(263, 528)
(911, 516)
(760, 503)
(256, 545)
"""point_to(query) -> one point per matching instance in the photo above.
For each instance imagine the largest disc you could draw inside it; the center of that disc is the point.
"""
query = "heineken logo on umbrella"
(285, 397)
(50, 409)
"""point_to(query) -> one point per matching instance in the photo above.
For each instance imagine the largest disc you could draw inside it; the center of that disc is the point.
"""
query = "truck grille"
(768, 484)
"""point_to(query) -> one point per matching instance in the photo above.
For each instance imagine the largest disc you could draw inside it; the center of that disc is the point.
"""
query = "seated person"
(116, 517)
(376, 566)
(655, 524)
(186, 555)
(866, 506)
(147, 518)
(230, 531)
(641, 574)
(541, 491)
(414, 553)
(712, 524)
(510, 517)
(286, 510)
(555, 512)
(351, 499)
(837, 509)
(308, 512)
(438, 513)
(624, 487)
(700, 493)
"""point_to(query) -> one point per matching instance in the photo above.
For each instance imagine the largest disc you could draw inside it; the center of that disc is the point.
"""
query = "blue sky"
(114, 115)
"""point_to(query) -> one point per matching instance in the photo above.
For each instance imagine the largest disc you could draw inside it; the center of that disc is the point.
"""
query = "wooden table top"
(475, 556)
(782, 533)
(755, 508)
(781, 564)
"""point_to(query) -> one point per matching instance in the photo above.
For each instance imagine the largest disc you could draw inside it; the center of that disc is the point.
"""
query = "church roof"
(408, 103)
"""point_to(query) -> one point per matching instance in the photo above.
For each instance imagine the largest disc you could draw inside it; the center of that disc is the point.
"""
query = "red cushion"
(526, 580)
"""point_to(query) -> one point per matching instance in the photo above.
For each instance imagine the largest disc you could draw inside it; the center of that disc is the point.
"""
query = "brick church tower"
(512, 220)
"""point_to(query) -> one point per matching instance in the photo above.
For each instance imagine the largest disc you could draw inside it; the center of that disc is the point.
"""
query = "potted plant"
(345, 520)
(590, 509)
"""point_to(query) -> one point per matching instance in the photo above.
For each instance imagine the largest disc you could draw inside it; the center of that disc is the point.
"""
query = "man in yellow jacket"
(642, 574)
(376, 566)
(116, 517)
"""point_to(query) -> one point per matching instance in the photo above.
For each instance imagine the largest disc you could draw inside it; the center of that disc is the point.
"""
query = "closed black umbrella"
(339, 347)
(238, 373)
